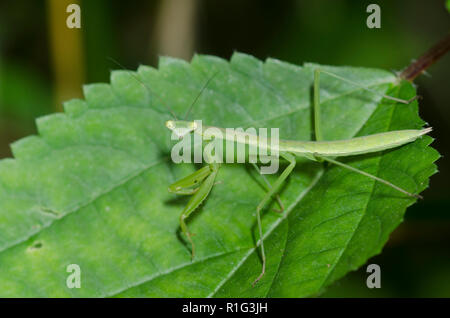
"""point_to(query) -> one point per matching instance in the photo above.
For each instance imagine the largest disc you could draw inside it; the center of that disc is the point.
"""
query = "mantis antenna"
(153, 94)
(199, 94)
(146, 87)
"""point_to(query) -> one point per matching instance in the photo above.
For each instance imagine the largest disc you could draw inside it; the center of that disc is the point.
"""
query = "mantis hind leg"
(318, 131)
(269, 186)
(370, 176)
(291, 159)
(316, 98)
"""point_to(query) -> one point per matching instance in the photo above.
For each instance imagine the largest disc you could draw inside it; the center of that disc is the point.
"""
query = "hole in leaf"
(35, 246)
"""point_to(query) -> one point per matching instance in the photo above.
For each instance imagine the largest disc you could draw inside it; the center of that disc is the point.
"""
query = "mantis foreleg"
(205, 178)
(291, 159)
(190, 184)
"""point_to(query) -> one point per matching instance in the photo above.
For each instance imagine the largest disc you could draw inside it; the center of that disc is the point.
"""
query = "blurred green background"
(43, 63)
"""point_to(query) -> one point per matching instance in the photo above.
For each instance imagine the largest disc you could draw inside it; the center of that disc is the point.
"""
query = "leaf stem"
(418, 66)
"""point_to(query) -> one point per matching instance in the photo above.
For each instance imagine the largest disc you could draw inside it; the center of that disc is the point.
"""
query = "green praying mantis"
(200, 183)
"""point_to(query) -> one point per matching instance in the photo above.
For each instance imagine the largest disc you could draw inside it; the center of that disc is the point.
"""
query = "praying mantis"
(200, 183)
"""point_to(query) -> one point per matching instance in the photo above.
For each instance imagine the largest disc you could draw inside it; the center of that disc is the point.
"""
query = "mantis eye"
(170, 124)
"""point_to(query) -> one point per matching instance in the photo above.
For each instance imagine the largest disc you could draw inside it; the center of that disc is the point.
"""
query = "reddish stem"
(426, 60)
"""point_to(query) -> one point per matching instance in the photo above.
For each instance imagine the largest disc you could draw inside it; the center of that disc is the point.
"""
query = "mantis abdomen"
(354, 146)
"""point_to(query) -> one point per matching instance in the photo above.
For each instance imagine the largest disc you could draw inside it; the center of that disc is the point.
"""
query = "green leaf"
(91, 189)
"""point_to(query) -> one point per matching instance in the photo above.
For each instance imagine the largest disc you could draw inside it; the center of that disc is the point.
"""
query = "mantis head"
(181, 127)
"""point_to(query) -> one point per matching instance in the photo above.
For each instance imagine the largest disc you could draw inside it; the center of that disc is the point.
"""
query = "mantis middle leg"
(269, 186)
(291, 159)
(318, 131)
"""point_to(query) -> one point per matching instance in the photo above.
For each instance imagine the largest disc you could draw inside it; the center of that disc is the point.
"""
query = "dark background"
(43, 63)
